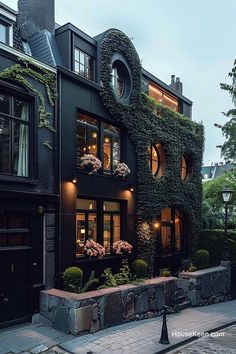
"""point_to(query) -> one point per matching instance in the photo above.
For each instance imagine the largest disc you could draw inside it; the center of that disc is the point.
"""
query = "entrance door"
(14, 266)
(13, 285)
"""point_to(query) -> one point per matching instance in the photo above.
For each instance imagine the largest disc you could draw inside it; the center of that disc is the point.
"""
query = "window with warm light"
(84, 64)
(163, 97)
(157, 159)
(99, 139)
(170, 231)
(92, 214)
(186, 168)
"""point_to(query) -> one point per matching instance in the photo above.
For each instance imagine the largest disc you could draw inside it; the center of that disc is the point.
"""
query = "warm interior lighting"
(94, 135)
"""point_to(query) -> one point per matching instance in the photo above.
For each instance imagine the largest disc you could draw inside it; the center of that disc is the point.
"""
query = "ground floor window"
(170, 232)
(98, 220)
(14, 230)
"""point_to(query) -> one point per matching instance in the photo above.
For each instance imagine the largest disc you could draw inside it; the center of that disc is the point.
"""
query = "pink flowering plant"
(122, 247)
(121, 170)
(90, 163)
(94, 249)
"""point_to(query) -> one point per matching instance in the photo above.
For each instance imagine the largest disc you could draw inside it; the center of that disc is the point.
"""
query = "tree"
(228, 149)
(213, 212)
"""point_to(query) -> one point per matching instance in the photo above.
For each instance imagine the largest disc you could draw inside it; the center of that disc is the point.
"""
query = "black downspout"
(58, 271)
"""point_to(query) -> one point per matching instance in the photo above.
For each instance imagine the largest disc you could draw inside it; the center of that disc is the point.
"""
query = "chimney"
(176, 84)
(34, 16)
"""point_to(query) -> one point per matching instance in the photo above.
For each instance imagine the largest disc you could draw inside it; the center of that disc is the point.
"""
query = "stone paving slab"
(140, 337)
(143, 336)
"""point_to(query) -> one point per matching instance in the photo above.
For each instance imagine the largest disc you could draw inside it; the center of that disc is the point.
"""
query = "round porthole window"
(157, 159)
(121, 82)
(186, 168)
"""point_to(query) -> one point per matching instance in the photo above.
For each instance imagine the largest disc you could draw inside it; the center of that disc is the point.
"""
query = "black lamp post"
(227, 194)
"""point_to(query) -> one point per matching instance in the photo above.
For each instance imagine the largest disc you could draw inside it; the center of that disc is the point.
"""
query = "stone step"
(180, 299)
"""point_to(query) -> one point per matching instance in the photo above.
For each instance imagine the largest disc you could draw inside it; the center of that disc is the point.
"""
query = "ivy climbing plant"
(148, 122)
(20, 73)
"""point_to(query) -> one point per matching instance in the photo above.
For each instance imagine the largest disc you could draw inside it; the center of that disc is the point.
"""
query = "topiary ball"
(73, 279)
(139, 268)
(192, 269)
(201, 258)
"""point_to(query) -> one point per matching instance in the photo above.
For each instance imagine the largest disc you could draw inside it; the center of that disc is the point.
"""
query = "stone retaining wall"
(95, 310)
(209, 286)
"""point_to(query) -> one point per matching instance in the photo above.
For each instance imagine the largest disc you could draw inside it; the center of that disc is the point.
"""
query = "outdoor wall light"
(156, 225)
(131, 188)
(74, 180)
(40, 209)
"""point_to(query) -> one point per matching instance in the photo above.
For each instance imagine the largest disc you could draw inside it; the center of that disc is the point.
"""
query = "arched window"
(170, 232)
(186, 168)
(157, 159)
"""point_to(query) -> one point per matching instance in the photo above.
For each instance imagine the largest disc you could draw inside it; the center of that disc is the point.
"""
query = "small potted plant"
(121, 170)
(90, 163)
(122, 247)
(94, 249)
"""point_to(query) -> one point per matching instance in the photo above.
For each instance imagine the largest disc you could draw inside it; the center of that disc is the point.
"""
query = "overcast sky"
(194, 40)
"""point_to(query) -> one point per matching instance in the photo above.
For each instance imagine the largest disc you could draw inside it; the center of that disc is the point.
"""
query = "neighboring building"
(215, 170)
(100, 110)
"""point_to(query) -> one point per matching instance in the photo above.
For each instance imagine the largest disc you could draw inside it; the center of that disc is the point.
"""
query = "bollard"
(164, 331)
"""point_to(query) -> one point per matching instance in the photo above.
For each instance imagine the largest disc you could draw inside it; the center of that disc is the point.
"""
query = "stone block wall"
(95, 310)
(208, 286)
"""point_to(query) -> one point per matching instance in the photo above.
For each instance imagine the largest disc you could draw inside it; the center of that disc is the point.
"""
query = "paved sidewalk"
(141, 337)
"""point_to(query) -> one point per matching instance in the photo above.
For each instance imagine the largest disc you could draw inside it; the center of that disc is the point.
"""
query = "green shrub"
(192, 269)
(201, 259)
(139, 268)
(164, 272)
(109, 279)
(213, 242)
(123, 276)
(73, 279)
(92, 283)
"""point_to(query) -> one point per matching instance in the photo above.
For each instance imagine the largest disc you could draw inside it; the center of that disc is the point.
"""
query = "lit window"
(157, 160)
(186, 169)
(90, 214)
(14, 136)
(99, 139)
(170, 232)
(84, 64)
(163, 97)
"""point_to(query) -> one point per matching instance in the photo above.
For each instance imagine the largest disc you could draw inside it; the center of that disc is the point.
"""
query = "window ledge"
(107, 257)
(21, 180)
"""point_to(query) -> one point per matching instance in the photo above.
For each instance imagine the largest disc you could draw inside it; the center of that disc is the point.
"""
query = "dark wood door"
(14, 284)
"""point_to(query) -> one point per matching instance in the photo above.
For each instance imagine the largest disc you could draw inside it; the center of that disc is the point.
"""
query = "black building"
(107, 107)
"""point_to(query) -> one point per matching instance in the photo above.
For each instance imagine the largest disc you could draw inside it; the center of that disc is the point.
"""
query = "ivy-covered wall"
(148, 122)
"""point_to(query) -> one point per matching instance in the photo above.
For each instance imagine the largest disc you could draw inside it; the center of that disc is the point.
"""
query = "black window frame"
(101, 132)
(174, 212)
(7, 31)
(17, 94)
(87, 68)
(100, 212)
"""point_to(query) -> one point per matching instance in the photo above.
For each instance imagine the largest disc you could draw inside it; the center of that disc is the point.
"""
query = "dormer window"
(4, 33)
(163, 97)
(84, 64)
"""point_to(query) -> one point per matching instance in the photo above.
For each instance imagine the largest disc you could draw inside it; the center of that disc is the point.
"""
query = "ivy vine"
(20, 73)
(148, 122)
